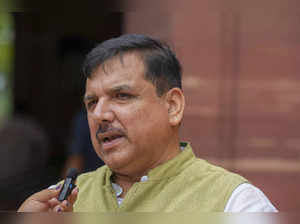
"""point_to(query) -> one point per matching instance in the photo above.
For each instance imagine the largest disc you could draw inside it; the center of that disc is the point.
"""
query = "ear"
(175, 103)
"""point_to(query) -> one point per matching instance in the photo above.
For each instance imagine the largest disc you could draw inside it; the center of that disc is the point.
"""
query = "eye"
(123, 96)
(90, 103)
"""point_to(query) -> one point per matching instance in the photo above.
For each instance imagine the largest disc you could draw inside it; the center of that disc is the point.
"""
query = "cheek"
(144, 121)
(92, 128)
(134, 118)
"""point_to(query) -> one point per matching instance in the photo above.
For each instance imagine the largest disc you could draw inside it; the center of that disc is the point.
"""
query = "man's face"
(128, 122)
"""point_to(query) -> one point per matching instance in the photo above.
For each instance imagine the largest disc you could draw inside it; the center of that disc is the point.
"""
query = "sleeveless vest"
(184, 183)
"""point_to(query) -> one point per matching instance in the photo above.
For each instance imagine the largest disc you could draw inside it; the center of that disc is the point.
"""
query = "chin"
(118, 159)
(115, 162)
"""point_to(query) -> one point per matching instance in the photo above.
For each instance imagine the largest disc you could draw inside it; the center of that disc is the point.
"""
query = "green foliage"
(6, 62)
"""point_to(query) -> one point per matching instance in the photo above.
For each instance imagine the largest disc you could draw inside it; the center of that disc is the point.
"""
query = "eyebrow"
(121, 88)
(88, 97)
(114, 89)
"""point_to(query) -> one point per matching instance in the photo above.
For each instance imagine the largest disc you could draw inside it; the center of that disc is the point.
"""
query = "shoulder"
(217, 182)
(209, 186)
(242, 196)
(203, 169)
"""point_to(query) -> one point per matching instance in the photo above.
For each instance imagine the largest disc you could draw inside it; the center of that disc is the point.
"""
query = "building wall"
(241, 81)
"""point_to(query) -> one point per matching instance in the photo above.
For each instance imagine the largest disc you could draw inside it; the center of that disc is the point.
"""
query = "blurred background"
(241, 80)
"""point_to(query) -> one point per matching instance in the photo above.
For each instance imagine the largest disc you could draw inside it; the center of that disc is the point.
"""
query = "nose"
(103, 111)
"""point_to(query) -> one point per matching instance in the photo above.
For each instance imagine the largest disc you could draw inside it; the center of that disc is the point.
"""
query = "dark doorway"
(47, 82)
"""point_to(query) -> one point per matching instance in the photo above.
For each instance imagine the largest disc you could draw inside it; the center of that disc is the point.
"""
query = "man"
(135, 105)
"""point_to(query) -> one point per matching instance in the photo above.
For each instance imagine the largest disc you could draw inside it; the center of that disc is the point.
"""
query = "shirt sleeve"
(248, 198)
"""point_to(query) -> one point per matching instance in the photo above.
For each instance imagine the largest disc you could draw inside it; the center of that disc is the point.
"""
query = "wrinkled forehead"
(123, 70)
(128, 61)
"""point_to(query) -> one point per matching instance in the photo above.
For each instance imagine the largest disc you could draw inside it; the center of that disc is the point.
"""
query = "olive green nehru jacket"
(184, 183)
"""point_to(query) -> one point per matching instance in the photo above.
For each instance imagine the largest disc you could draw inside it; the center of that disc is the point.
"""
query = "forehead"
(128, 68)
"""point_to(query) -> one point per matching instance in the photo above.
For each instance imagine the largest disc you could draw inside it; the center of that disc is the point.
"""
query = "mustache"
(106, 127)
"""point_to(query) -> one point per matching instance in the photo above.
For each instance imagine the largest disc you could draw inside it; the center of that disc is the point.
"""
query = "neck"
(127, 180)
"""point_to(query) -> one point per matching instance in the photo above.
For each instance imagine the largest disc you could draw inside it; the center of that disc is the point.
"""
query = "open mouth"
(111, 138)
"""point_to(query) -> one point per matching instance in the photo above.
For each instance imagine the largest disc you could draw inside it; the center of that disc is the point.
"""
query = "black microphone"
(69, 184)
